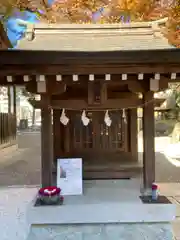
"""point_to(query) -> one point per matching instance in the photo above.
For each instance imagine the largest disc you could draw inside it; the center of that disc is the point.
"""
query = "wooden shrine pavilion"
(94, 68)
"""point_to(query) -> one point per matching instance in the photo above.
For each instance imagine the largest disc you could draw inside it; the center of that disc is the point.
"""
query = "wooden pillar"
(125, 129)
(14, 111)
(56, 134)
(9, 99)
(148, 141)
(14, 100)
(132, 126)
(46, 142)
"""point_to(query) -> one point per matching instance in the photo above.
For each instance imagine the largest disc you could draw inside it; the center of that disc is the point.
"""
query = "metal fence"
(7, 129)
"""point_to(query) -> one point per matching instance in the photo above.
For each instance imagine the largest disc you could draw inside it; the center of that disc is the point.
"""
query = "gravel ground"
(23, 166)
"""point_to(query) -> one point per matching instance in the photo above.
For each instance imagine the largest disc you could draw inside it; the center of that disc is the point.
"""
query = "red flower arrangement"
(154, 186)
(50, 195)
(49, 191)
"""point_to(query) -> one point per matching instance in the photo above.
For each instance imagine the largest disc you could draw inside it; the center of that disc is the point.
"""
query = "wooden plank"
(67, 138)
(148, 141)
(96, 130)
(103, 93)
(46, 142)
(90, 92)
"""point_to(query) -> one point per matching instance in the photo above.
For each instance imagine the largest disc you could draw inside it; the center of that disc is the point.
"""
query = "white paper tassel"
(124, 116)
(107, 119)
(84, 118)
(64, 119)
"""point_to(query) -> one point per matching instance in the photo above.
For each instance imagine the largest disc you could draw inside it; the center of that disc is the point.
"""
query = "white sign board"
(69, 176)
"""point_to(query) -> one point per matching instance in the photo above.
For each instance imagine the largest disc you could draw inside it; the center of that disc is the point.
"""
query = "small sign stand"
(69, 176)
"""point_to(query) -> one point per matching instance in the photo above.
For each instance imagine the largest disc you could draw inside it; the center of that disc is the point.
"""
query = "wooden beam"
(122, 95)
(82, 104)
(53, 87)
(46, 142)
(83, 79)
(109, 104)
(148, 141)
(135, 86)
(37, 104)
(148, 57)
(84, 69)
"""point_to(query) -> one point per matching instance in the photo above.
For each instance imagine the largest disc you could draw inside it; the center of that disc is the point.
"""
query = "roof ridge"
(134, 28)
(93, 26)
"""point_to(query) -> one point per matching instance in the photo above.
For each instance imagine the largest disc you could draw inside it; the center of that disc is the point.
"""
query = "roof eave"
(155, 56)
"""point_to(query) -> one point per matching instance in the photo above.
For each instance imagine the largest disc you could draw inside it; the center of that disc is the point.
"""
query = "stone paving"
(22, 167)
(13, 206)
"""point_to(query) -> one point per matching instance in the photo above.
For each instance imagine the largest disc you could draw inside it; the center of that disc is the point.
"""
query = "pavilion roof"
(94, 37)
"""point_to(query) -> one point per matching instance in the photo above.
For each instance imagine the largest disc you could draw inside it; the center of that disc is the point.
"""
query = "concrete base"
(116, 231)
(107, 210)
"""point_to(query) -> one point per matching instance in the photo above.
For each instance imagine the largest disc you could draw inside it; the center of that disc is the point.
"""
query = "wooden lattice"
(97, 135)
